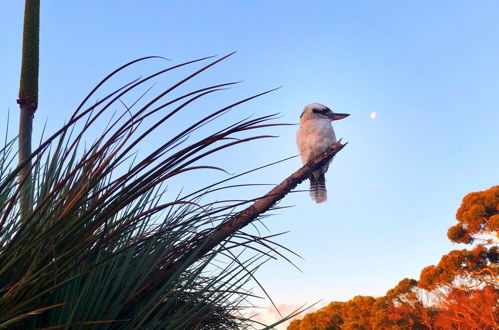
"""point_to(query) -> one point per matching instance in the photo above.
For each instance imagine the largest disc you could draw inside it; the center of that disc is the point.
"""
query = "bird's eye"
(320, 111)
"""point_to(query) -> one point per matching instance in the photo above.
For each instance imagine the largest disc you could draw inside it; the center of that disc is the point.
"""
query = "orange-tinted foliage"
(469, 309)
(459, 264)
(477, 214)
(461, 292)
(453, 309)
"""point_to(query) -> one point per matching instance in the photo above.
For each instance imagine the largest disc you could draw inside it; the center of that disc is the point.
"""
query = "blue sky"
(429, 69)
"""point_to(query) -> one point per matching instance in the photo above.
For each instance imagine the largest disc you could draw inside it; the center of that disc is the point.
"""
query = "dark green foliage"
(98, 247)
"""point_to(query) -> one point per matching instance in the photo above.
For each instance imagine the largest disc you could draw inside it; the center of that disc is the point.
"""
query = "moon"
(373, 115)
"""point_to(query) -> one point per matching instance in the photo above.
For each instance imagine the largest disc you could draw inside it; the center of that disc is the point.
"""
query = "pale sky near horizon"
(430, 71)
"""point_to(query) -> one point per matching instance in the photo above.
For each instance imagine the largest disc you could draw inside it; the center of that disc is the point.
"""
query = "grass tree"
(89, 236)
(106, 245)
(28, 97)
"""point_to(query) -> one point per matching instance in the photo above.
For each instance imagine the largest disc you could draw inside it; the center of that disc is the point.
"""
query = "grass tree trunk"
(28, 97)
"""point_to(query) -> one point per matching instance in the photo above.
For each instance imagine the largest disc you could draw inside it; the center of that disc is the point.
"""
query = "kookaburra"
(314, 137)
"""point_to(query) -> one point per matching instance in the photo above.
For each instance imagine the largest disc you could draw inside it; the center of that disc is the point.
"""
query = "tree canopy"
(460, 292)
(478, 214)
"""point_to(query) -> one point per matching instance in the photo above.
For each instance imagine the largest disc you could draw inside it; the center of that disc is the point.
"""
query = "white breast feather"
(314, 137)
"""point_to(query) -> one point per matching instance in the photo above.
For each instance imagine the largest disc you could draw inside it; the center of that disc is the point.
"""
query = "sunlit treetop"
(478, 218)
(478, 214)
(403, 288)
(459, 263)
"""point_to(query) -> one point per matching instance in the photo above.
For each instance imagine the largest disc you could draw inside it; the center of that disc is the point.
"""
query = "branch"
(262, 205)
(241, 219)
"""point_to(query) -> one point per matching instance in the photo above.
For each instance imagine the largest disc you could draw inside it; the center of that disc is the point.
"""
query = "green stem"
(25, 129)
(28, 97)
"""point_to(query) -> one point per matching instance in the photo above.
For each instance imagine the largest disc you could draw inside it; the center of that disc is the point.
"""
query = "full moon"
(373, 115)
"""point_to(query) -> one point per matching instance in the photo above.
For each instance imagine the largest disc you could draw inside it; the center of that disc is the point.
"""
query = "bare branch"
(262, 205)
(206, 243)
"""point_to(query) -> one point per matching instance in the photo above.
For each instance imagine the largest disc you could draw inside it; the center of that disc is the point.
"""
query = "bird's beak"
(338, 116)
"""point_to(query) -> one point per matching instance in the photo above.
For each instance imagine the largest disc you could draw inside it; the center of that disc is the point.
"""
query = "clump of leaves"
(102, 246)
(477, 215)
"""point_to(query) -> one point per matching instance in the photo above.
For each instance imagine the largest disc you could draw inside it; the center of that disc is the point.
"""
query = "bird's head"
(318, 111)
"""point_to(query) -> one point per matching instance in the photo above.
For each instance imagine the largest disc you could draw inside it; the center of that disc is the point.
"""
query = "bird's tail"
(318, 188)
